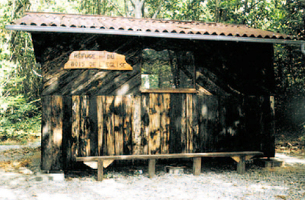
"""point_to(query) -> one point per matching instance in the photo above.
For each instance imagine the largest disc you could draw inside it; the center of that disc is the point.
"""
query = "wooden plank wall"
(52, 133)
(150, 124)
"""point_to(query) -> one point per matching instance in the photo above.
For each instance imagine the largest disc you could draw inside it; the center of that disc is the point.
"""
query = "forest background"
(20, 79)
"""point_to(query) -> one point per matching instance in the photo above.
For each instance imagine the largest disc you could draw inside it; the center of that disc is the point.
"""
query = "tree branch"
(132, 3)
(158, 9)
(116, 8)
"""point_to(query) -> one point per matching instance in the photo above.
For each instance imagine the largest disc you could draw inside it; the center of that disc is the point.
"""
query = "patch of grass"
(20, 132)
(26, 139)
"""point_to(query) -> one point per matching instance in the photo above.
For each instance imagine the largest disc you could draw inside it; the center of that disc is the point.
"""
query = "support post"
(100, 172)
(197, 166)
(241, 165)
(151, 167)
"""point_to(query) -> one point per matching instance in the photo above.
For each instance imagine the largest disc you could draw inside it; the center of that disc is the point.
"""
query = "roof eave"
(151, 34)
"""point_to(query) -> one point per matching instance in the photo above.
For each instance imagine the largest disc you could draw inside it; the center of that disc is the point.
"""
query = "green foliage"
(167, 69)
(18, 118)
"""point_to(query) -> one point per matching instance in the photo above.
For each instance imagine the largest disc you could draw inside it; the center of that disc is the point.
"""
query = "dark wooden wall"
(151, 124)
(98, 112)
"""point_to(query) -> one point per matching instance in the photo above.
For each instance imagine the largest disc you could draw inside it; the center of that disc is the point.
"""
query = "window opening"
(167, 69)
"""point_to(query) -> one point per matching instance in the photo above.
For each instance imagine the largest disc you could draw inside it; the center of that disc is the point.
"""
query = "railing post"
(100, 172)
(241, 165)
(197, 166)
(151, 167)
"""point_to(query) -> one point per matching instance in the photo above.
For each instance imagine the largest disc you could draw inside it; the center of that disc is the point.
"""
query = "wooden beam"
(182, 90)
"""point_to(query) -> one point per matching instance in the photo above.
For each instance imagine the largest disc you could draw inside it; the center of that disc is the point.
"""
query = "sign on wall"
(97, 60)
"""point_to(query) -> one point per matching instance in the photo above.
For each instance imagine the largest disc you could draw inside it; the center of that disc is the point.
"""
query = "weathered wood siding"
(152, 124)
(52, 133)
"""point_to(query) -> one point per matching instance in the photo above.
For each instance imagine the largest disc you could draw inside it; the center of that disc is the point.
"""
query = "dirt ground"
(21, 178)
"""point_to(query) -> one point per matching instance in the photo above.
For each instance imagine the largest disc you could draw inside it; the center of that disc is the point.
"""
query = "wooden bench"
(239, 157)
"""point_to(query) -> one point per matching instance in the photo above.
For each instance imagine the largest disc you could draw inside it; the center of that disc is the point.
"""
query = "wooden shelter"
(123, 86)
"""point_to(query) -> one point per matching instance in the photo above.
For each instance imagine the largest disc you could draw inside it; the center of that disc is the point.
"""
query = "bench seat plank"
(166, 156)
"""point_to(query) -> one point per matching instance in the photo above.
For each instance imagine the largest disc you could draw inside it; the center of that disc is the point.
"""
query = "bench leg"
(100, 172)
(241, 165)
(197, 166)
(151, 167)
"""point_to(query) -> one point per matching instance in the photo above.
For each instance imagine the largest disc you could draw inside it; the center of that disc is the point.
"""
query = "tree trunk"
(138, 6)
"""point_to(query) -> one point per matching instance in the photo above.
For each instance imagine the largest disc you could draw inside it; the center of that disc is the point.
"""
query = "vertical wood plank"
(57, 129)
(109, 120)
(195, 126)
(84, 141)
(93, 126)
(197, 166)
(100, 120)
(154, 124)
(75, 126)
(189, 124)
(184, 124)
(165, 122)
(127, 124)
(105, 130)
(271, 137)
(203, 110)
(46, 133)
(67, 133)
(210, 114)
(266, 139)
(260, 143)
(213, 122)
(118, 125)
(137, 148)
(144, 124)
(175, 123)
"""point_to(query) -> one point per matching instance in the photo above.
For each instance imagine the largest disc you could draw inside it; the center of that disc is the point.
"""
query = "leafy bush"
(19, 119)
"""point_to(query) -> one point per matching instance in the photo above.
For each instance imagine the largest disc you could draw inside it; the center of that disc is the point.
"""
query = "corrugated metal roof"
(52, 22)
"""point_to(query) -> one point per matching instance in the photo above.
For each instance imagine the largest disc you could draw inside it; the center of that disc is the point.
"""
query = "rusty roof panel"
(102, 23)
